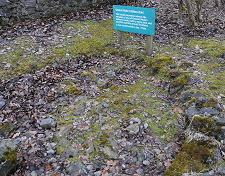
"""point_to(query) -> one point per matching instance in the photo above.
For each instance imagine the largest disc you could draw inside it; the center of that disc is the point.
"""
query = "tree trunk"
(190, 12)
(199, 9)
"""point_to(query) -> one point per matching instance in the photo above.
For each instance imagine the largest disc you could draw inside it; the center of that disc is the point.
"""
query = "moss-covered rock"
(71, 90)
(8, 156)
(185, 65)
(192, 94)
(6, 128)
(178, 84)
(181, 81)
(195, 156)
(176, 73)
(208, 126)
(202, 102)
(160, 63)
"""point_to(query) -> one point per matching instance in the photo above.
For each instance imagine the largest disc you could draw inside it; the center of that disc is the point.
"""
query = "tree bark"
(199, 9)
(190, 12)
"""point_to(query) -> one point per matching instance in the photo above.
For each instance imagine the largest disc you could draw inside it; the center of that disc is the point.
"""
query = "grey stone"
(223, 128)
(221, 170)
(30, 3)
(2, 103)
(199, 102)
(208, 110)
(4, 3)
(110, 153)
(33, 173)
(141, 155)
(107, 174)
(191, 111)
(98, 173)
(140, 171)
(113, 143)
(133, 128)
(89, 167)
(80, 109)
(111, 74)
(214, 103)
(146, 162)
(157, 151)
(69, 152)
(51, 151)
(5, 168)
(185, 97)
(210, 173)
(174, 89)
(146, 125)
(219, 121)
(103, 83)
(64, 131)
(63, 143)
(90, 147)
(74, 168)
(39, 73)
(47, 123)
(41, 102)
(41, 1)
(198, 94)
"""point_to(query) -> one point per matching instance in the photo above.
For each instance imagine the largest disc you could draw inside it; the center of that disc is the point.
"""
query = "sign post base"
(149, 45)
(120, 38)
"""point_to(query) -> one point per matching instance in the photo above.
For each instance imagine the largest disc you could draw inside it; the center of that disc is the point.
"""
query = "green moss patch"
(159, 63)
(137, 102)
(90, 38)
(96, 38)
(207, 126)
(6, 128)
(180, 81)
(211, 47)
(71, 90)
(11, 156)
(214, 76)
(193, 157)
(176, 73)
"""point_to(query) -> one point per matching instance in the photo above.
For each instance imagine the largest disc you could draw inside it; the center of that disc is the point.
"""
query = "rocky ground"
(73, 102)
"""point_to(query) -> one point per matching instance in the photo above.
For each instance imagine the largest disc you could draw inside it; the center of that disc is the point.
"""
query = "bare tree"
(194, 8)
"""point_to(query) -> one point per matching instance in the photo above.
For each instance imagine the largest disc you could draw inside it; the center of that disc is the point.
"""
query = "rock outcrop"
(17, 10)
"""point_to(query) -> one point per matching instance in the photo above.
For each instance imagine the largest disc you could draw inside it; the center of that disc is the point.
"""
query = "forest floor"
(77, 103)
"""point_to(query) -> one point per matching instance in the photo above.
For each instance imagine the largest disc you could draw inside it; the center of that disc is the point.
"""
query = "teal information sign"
(134, 19)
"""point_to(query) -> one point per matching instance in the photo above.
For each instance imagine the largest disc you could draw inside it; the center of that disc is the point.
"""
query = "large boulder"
(199, 154)
(201, 104)
(8, 156)
(209, 126)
